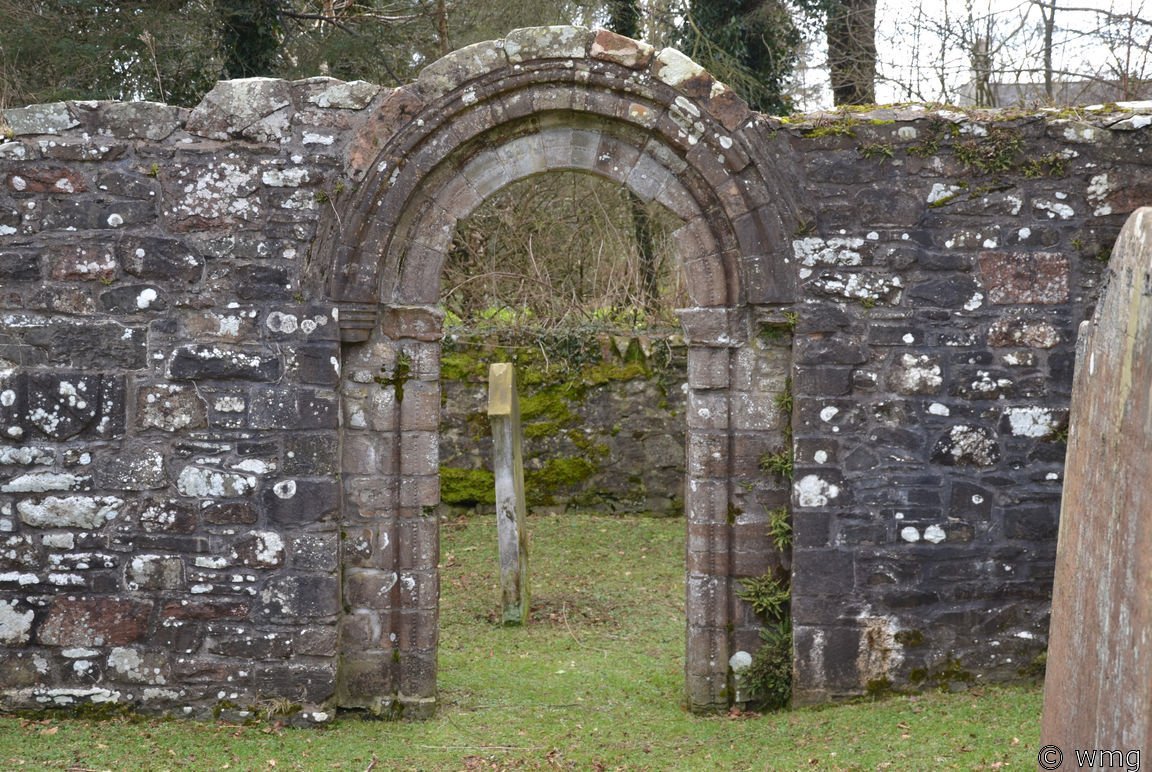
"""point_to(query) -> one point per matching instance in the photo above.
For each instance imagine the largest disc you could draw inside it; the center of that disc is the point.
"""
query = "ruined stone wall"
(179, 418)
(603, 426)
(946, 264)
(169, 465)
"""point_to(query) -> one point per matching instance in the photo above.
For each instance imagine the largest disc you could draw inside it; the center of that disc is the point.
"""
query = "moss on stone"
(467, 487)
(462, 365)
(555, 476)
(546, 412)
(606, 372)
(909, 638)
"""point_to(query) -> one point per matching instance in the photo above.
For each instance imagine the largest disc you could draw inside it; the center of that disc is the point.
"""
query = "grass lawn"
(594, 682)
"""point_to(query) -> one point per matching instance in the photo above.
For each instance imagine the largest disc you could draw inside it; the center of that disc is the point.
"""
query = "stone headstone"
(1097, 690)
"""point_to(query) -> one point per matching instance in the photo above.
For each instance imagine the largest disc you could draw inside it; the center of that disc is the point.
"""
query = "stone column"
(711, 335)
(391, 488)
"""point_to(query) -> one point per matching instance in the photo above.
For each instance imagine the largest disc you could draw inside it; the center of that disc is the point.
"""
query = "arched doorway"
(476, 121)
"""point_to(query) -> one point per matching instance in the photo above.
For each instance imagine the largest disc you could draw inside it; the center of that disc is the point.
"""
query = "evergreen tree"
(752, 45)
(250, 35)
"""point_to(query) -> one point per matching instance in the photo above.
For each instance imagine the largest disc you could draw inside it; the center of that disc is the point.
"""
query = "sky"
(923, 45)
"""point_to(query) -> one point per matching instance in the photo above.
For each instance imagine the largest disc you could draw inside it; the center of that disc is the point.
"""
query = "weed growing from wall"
(769, 677)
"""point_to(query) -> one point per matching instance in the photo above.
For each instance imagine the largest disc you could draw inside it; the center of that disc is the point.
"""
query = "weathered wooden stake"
(508, 465)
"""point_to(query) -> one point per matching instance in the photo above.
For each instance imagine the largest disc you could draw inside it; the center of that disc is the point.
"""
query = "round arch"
(540, 100)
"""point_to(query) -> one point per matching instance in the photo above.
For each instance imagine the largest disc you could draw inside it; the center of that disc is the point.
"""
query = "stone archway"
(541, 100)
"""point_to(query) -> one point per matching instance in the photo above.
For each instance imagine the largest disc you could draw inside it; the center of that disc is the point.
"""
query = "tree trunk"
(851, 33)
(1048, 12)
(442, 27)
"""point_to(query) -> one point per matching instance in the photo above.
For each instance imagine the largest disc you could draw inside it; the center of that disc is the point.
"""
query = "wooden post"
(508, 466)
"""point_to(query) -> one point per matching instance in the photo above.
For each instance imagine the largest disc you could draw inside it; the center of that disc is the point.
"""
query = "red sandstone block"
(94, 622)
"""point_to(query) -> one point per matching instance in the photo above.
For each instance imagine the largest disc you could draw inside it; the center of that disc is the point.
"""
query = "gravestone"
(1097, 694)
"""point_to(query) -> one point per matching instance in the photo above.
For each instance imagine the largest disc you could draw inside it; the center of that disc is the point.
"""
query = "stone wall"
(603, 423)
(220, 365)
(948, 262)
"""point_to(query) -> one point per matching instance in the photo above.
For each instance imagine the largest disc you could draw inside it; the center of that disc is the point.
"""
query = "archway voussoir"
(395, 109)
(420, 274)
(458, 197)
(726, 106)
(523, 156)
(647, 178)
(560, 42)
(486, 173)
(680, 129)
(615, 158)
(667, 157)
(681, 73)
(695, 240)
(560, 146)
(453, 70)
(610, 47)
(552, 97)
(678, 200)
(716, 164)
(639, 114)
(760, 231)
(766, 281)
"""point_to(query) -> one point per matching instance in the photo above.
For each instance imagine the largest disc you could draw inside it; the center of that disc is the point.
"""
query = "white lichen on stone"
(974, 302)
(986, 384)
(869, 288)
(15, 625)
(69, 512)
(230, 404)
(1098, 190)
(917, 375)
(130, 664)
(934, 534)
(26, 455)
(292, 177)
(281, 322)
(941, 193)
(1031, 421)
(813, 250)
(285, 489)
(812, 491)
(41, 482)
(202, 482)
(269, 548)
(968, 443)
(1054, 209)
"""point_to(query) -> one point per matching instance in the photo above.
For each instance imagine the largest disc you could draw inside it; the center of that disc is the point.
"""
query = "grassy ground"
(594, 682)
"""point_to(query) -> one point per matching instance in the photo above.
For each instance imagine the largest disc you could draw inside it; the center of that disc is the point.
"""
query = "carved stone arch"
(540, 100)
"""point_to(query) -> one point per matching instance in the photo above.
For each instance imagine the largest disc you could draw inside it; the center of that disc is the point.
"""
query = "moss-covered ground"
(593, 682)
